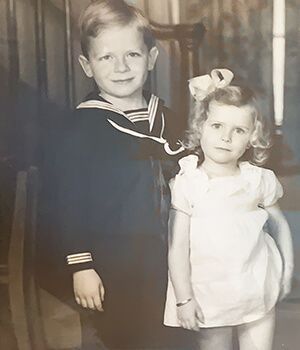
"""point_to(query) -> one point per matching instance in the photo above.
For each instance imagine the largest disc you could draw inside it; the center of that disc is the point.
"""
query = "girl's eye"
(240, 131)
(134, 54)
(216, 125)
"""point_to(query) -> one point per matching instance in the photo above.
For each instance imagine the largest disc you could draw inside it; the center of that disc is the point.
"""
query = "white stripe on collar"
(101, 105)
(136, 133)
(138, 116)
(139, 119)
(160, 140)
(133, 115)
(162, 125)
(152, 109)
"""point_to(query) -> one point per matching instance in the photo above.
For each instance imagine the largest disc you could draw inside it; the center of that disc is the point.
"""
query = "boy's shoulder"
(92, 111)
(91, 105)
(84, 124)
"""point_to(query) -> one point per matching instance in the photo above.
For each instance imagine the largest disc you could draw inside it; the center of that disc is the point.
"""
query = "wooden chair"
(189, 38)
(20, 277)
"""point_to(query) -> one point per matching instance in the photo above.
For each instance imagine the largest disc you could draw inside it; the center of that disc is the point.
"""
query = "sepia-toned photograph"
(149, 175)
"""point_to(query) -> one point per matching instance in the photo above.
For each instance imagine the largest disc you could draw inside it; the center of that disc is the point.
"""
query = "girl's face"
(226, 133)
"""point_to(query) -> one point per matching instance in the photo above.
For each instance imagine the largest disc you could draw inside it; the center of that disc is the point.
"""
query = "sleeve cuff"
(80, 261)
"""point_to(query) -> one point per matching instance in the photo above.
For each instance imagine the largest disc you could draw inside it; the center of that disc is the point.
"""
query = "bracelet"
(181, 303)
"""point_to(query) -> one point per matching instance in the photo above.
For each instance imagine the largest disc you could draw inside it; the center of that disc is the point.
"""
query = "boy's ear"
(85, 64)
(153, 53)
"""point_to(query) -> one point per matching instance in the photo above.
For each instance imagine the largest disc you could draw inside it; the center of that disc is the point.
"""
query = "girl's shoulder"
(187, 172)
(251, 170)
(188, 164)
(262, 181)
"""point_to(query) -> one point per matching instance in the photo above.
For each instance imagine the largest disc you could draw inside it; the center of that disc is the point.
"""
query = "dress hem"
(233, 324)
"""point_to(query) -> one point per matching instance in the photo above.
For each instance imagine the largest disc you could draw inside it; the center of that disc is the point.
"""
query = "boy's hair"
(102, 14)
(231, 96)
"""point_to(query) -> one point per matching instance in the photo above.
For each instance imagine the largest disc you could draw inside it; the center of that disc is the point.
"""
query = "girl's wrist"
(183, 302)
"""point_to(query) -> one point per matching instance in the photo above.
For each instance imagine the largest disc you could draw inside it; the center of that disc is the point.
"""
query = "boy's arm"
(74, 189)
(73, 175)
(280, 231)
(179, 269)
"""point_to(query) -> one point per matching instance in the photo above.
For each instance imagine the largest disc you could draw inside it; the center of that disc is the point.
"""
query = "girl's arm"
(179, 256)
(281, 232)
(179, 269)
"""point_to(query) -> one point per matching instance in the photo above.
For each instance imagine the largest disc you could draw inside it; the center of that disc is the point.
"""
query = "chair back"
(23, 293)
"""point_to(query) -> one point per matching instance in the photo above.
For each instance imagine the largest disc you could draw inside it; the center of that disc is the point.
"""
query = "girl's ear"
(152, 57)
(85, 65)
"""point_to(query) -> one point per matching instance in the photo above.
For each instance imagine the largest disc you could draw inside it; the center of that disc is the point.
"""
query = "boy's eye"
(240, 131)
(134, 54)
(216, 125)
(105, 58)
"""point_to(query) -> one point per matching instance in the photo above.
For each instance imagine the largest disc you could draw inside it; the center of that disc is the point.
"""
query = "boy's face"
(119, 61)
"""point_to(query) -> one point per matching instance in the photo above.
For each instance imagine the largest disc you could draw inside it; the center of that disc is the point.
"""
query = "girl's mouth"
(223, 149)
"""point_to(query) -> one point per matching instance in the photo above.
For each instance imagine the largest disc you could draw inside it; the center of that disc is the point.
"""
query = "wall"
(239, 36)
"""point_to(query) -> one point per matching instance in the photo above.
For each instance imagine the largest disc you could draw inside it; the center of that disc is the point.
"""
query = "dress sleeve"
(179, 198)
(271, 188)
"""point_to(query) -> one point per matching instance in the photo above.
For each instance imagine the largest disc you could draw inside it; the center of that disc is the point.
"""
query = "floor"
(287, 335)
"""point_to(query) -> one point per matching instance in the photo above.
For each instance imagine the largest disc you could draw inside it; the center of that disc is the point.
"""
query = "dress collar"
(248, 179)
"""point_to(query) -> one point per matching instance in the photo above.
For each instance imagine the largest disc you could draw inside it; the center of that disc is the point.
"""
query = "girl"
(225, 270)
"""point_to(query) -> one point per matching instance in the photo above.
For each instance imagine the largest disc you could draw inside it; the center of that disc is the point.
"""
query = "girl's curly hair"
(232, 96)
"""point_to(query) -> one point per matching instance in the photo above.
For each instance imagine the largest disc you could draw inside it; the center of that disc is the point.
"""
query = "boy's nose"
(121, 65)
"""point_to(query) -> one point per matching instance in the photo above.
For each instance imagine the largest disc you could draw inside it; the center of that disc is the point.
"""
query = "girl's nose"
(121, 65)
(226, 136)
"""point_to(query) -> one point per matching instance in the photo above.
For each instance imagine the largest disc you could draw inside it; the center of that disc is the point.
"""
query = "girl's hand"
(88, 289)
(286, 283)
(189, 315)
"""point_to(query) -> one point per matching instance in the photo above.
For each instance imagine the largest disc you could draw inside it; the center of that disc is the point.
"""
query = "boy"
(111, 184)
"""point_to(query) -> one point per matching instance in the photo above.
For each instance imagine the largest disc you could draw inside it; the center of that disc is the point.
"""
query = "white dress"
(236, 266)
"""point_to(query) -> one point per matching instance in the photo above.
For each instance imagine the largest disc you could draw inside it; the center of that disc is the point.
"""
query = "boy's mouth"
(122, 81)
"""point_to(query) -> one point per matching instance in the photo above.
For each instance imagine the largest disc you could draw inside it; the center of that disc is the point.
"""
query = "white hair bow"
(201, 86)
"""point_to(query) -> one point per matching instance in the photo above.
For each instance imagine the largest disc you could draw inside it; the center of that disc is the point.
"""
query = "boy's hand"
(88, 289)
(189, 315)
